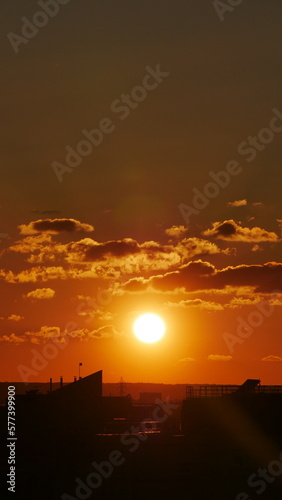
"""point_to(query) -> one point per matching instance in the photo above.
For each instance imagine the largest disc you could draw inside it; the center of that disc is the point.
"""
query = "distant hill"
(173, 391)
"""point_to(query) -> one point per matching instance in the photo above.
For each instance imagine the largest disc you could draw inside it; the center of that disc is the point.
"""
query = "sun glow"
(149, 328)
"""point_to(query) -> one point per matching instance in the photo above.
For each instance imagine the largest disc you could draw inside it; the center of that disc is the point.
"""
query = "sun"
(149, 328)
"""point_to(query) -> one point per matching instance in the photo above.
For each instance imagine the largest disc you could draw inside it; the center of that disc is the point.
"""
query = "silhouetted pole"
(79, 365)
(122, 388)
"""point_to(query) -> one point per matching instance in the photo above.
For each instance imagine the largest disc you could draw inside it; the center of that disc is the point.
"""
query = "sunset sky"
(175, 210)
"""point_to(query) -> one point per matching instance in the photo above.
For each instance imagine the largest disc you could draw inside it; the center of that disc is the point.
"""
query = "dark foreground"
(158, 466)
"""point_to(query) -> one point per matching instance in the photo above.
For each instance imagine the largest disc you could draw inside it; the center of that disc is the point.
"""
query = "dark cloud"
(186, 277)
(144, 256)
(203, 276)
(119, 248)
(226, 229)
(55, 226)
(264, 278)
(231, 231)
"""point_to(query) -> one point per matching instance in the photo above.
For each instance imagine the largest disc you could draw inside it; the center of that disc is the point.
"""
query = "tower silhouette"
(122, 388)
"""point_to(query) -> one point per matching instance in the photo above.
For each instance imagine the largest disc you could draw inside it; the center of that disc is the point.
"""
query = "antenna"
(122, 388)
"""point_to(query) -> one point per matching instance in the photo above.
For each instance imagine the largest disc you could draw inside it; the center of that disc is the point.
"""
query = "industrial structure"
(232, 409)
(207, 410)
(81, 406)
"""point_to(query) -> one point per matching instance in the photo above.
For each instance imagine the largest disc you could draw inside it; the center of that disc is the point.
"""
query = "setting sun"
(149, 328)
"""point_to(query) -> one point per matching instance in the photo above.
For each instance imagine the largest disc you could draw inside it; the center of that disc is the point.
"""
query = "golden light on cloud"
(149, 328)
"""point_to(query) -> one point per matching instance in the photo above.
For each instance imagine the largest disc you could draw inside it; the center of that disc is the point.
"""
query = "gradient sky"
(113, 224)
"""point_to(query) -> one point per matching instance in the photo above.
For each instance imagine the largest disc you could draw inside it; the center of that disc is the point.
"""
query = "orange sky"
(69, 298)
(175, 209)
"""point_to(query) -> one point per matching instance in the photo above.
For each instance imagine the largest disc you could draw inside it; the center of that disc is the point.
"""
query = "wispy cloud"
(272, 358)
(41, 294)
(15, 317)
(176, 231)
(237, 203)
(199, 303)
(54, 333)
(219, 357)
(12, 339)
